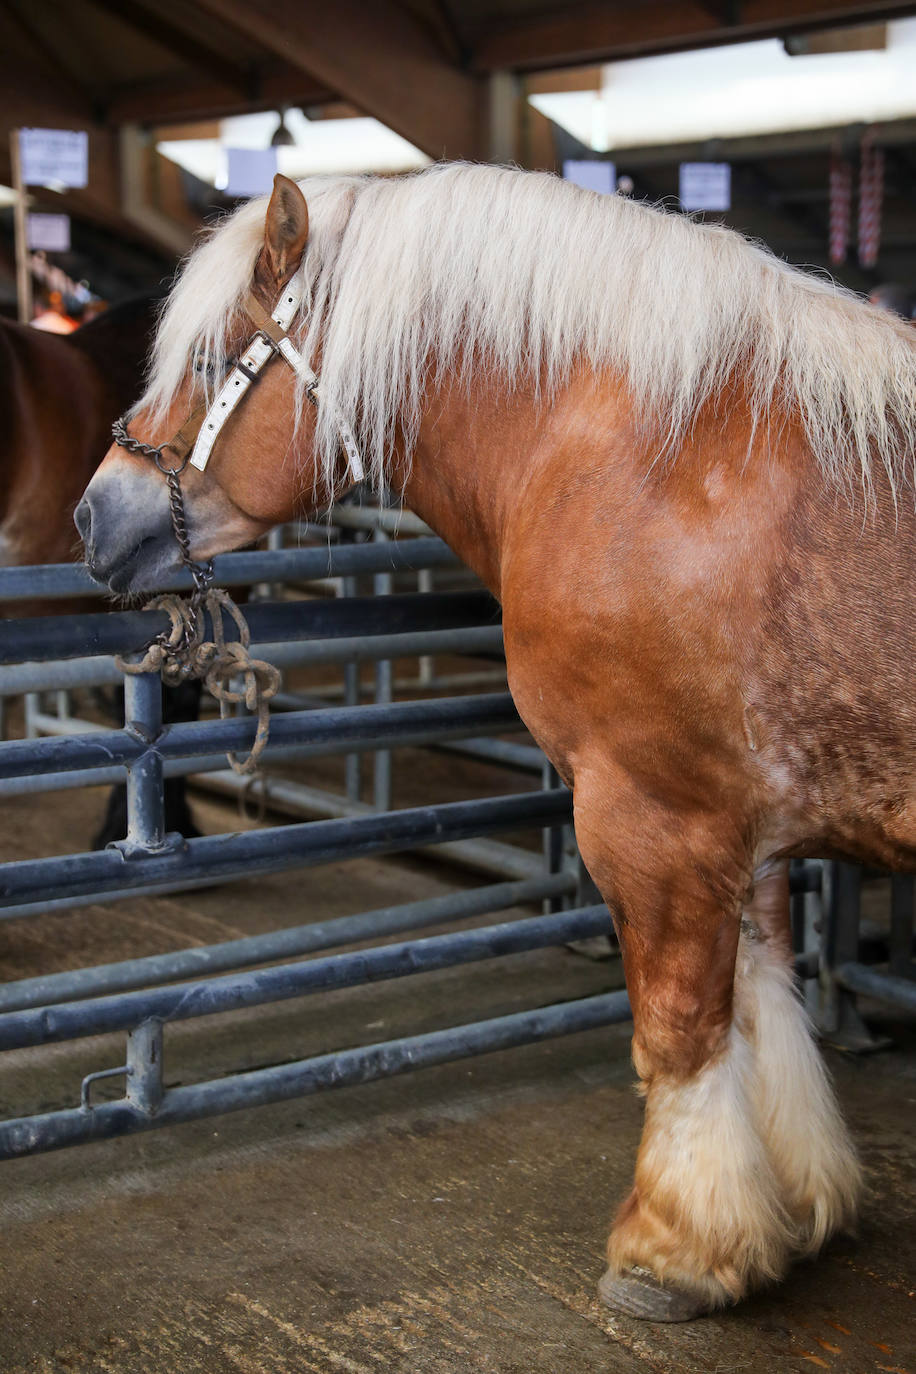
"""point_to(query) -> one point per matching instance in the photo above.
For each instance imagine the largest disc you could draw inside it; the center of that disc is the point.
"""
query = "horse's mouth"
(140, 570)
(124, 561)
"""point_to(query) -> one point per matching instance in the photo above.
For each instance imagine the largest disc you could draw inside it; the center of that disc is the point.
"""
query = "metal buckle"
(272, 344)
(247, 371)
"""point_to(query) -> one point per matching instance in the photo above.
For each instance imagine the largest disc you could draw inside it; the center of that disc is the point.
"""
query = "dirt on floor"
(447, 1221)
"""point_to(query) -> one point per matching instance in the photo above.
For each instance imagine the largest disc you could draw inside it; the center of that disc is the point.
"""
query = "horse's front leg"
(717, 1205)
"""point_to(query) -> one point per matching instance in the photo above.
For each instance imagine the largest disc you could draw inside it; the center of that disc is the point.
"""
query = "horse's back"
(728, 629)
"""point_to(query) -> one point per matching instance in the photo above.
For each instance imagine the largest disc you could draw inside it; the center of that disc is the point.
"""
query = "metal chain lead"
(201, 573)
(181, 652)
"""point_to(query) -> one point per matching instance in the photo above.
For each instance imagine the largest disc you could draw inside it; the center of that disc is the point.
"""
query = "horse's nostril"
(82, 519)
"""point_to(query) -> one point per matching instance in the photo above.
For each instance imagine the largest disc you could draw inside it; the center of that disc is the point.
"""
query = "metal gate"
(143, 996)
(140, 996)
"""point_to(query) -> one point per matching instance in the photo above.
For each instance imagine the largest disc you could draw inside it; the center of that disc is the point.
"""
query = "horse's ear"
(286, 229)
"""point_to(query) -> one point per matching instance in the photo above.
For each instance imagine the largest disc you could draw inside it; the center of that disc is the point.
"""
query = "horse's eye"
(210, 369)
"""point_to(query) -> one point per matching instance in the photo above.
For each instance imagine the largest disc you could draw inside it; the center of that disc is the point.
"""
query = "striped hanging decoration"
(871, 196)
(840, 207)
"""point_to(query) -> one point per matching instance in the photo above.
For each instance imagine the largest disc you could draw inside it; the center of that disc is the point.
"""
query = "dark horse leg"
(181, 703)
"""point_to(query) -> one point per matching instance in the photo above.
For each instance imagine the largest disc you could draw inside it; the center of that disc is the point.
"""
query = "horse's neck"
(472, 462)
(489, 464)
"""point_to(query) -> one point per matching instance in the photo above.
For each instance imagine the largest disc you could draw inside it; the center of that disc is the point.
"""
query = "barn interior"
(453, 1217)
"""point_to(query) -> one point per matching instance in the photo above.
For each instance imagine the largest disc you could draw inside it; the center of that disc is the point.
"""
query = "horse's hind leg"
(805, 1136)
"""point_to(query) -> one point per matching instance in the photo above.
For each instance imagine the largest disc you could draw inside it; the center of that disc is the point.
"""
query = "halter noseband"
(195, 440)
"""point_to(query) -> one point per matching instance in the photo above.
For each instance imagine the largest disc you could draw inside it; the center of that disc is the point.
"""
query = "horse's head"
(239, 441)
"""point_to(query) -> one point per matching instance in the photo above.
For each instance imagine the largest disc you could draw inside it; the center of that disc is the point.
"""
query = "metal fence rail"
(147, 1106)
(847, 947)
(206, 997)
(200, 960)
(126, 632)
(67, 580)
(140, 995)
(130, 867)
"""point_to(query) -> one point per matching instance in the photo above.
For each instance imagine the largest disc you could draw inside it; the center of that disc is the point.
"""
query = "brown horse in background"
(686, 470)
(58, 397)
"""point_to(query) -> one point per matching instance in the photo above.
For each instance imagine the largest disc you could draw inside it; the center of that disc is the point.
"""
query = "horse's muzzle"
(123, 521)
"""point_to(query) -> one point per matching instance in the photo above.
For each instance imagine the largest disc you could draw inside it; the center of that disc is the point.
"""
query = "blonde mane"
(522, 276)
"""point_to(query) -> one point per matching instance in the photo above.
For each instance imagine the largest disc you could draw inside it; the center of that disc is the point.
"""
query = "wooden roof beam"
(627, 30)
(183, 101)
(377, 55)
(153, 24)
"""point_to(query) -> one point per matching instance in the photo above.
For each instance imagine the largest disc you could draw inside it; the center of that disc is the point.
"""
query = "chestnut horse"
(686, 470)
(59, 395)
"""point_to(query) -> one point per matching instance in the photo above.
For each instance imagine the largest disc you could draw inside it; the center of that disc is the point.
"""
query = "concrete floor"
(452, 1220)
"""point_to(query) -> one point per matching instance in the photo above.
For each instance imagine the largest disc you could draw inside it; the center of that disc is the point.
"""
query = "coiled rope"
(182, 653)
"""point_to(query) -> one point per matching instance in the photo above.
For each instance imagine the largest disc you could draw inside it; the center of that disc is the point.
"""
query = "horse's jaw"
(125, 525)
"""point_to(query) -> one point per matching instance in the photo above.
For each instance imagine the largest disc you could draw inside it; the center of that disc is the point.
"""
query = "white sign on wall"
(250, 171)
(706, 185)
(48, 233)
(591, 175)
(54, 155)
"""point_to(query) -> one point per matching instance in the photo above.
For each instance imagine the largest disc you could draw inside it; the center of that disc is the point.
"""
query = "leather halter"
(271, 338)
(195, 440)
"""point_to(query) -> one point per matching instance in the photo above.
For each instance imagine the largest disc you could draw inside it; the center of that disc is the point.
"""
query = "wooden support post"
(503, 119)
(23, 274)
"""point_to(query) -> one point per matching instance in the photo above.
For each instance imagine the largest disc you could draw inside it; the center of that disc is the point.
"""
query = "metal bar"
(427, 665)
(395, 520)
(352, 694)
(281, 944)
(124, 632)
(298, 799)
(528, 758)
(272, 850)
(384, 677)
(292, 797)
(24, 304)
(145, 797)
(29, 1135)
(900, 960)
(839, 945)
(144, 1066)
(856, 977)
(186, 1001)
(314, 733)
(40, 906)
(65, 580)
(100, 670)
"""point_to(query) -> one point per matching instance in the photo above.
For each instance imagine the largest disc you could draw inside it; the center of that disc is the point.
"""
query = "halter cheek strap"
(272, 337)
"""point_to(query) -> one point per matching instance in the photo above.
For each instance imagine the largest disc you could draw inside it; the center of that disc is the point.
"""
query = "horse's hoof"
(637, 1293)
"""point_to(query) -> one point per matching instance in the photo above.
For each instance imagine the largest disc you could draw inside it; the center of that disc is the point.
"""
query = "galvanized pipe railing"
(124, 632)
(67, 580)
(211, 857)
(133, 997)
(206, 997)
(201, 960)
(101, 670)
(153, 1106)
(313, 733)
